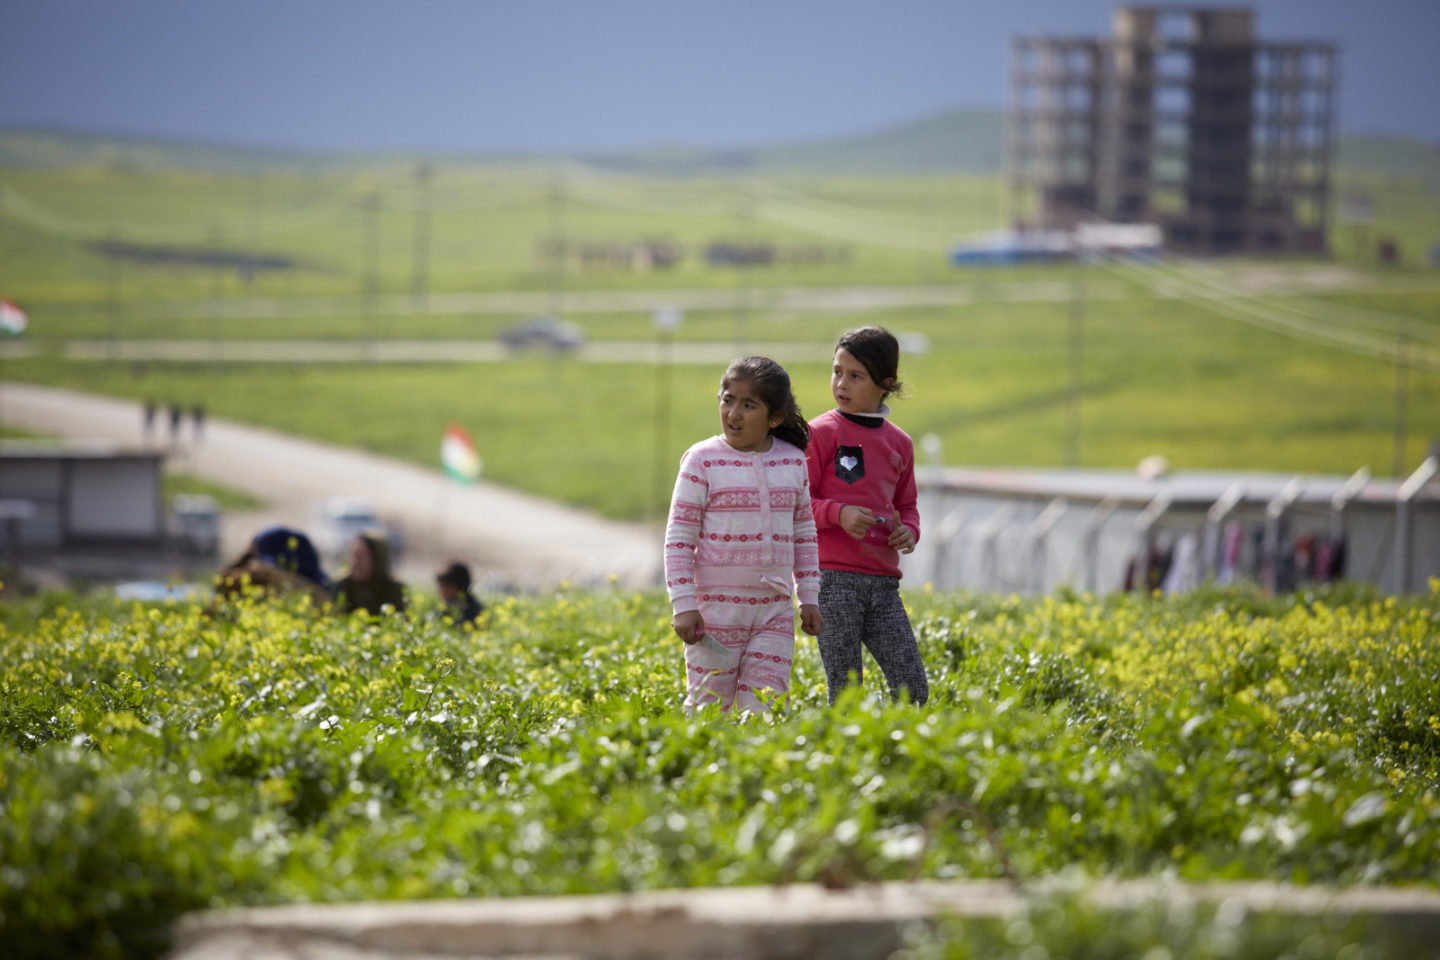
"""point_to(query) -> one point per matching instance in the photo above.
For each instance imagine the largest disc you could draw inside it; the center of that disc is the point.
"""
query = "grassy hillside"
(104, 234)
(963, 140)
(39, 147)
(968, 140)
(1384, 156)
(1159, 376)
(1298, 374)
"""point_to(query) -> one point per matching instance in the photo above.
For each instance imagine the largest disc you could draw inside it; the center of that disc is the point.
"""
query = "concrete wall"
(1031, 532)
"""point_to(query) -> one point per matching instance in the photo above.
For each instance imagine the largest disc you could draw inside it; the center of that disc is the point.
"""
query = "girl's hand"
(810, 619)
(856, 521)
(689, 625)
(900, 536)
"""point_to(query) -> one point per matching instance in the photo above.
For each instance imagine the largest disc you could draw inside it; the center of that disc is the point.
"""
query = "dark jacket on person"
(278, 561)
(464, 609)
(379, 589)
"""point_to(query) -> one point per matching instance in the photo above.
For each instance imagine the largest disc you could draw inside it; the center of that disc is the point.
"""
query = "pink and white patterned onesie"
(740, 532)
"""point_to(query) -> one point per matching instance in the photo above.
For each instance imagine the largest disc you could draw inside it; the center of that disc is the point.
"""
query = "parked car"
(544, 331)
(338, 520)
(195, 523)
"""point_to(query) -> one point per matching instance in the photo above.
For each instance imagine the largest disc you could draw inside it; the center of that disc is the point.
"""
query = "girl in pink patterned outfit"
(740, 532)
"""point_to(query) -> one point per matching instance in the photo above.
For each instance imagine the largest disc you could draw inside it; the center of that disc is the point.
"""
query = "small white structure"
(73, 495)
(1091, 241)
(1118, 239)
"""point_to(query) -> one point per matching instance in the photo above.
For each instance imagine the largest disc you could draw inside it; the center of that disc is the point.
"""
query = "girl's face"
(361, 563)
(851, 386)
(744, 418)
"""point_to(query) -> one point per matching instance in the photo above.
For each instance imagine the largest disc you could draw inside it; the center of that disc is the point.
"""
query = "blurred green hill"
(27, 147)
(1388, 156)
(966, 140)
(1313, 365)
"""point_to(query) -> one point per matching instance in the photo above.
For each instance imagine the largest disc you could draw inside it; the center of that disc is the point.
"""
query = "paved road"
(770, 299)
(507, 537)
(390, 351)
(771, 302)
(1246, 279)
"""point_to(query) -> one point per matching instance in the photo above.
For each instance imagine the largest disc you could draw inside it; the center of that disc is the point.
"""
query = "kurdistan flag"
(458, 454)
(12, 318)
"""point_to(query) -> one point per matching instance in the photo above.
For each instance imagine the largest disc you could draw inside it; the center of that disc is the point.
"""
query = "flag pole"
(12, 323)
(462, 465)
(442, 515)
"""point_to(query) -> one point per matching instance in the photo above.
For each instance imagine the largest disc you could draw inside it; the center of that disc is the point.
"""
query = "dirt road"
(508, 538)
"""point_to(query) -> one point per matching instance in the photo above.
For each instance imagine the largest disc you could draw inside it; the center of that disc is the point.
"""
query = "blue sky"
(515, 75)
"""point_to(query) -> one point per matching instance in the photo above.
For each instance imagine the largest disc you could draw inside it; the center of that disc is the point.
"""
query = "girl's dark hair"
(878, 351)
(772, 383)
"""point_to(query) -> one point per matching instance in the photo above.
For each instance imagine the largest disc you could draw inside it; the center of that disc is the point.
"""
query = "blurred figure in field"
(177, 414)
(369, 585)
(149, 421)
(453, 583)
(278, 561)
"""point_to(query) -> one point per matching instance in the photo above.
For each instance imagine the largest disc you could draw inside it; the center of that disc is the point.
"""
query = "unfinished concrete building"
(1181, 118)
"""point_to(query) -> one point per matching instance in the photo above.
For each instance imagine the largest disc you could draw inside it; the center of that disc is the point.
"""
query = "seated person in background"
(279, 561)
(369, 585)
(454, 582)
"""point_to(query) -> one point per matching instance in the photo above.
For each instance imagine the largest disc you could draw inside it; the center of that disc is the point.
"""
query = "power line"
(1249, 310)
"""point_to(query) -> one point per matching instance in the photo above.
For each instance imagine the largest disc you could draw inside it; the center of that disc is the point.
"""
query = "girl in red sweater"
(862, 487)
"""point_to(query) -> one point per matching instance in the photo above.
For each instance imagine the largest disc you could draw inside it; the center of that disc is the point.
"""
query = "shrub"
(154, 759)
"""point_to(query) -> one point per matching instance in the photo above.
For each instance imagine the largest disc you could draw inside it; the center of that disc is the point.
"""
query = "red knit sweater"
(870, 467)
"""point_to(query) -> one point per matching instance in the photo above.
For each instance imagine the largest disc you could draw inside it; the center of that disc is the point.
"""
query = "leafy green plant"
(1068, 926)
(273, 753)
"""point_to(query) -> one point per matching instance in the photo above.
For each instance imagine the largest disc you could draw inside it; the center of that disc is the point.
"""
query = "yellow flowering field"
(156, 759)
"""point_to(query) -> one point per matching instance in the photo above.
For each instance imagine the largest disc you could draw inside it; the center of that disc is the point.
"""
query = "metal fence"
(1033, 531)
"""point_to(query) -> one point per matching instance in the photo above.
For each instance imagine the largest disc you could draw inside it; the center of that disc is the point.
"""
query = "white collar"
(883, 412)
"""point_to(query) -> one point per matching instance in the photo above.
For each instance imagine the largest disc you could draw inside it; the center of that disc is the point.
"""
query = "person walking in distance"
(148, 420)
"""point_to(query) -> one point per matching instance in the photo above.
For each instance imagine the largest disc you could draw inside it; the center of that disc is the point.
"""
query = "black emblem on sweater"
(850, 463)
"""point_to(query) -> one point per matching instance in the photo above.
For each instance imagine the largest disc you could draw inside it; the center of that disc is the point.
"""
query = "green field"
(176, 484)
(1319, 366)
(1168, 377)
(158, 759)
(342, 232)
(161, 759)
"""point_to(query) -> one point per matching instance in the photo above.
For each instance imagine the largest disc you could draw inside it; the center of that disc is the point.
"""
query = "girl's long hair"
(772, 383)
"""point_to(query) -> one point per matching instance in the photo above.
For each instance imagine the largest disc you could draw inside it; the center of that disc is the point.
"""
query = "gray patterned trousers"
(865, 609)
